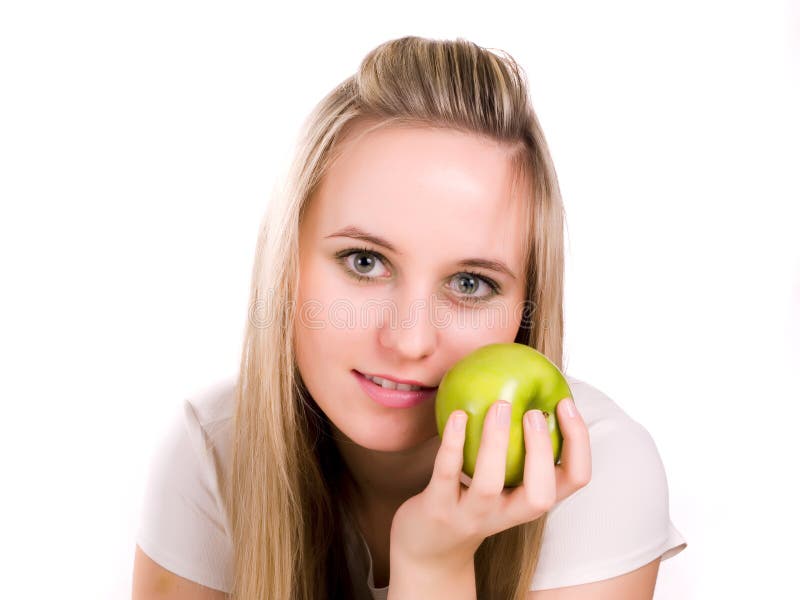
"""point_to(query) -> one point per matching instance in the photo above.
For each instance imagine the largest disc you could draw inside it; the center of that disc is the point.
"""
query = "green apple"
(513, 372)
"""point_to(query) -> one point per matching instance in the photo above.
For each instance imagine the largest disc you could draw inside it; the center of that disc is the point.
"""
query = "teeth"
(390, 385)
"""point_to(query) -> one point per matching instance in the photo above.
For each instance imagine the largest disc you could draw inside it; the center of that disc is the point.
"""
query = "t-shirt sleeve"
(182, 525)
(618, 522)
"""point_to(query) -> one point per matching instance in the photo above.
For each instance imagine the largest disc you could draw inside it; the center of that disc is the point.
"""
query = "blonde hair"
(284, 497)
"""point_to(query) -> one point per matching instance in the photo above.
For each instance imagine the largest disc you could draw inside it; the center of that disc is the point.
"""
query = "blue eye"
(366, 259)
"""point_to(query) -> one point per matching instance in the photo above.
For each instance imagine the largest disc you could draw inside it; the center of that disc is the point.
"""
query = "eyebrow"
(351, 231)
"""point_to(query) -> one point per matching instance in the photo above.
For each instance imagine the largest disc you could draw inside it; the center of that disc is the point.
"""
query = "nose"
(409, 332)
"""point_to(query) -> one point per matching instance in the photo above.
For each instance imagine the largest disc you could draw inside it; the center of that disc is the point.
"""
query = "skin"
(438, 196)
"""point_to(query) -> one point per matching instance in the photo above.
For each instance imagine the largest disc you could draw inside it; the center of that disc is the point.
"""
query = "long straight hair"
(284, 495)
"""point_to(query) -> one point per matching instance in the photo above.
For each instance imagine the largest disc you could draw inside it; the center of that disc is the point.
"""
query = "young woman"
(420, 215)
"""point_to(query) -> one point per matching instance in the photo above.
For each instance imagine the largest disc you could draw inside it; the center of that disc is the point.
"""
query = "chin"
(393, 435)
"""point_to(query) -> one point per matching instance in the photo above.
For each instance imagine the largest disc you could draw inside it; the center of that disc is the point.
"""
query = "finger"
(537, 494)
(444, 488)
(575, 468)
(490, 466)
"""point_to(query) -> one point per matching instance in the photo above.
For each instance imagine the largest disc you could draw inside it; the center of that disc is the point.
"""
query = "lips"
(400, 381)
(394, 398)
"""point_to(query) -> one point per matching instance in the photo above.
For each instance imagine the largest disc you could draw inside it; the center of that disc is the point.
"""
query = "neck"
(376, 483)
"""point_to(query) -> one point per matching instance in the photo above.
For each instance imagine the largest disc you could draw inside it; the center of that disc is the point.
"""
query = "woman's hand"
(443, 526)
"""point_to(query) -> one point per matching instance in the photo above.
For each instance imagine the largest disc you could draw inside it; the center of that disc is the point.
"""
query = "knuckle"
(452, 447)
(477, 516)
(540, 504)
(444, 473)
(580, 480)
(481, 508)
(439, 515)
(484, 494)
(469, 528)
(443, 463)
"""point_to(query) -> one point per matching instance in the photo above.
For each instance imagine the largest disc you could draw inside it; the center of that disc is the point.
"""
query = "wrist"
(410, 580)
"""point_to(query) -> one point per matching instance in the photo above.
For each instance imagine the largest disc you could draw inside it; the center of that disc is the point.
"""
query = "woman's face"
(438, 197)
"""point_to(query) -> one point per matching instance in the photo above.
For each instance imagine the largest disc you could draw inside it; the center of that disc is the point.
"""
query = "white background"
(139, 142)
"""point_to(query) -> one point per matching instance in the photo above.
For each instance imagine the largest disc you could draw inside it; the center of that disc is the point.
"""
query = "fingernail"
(503, 414)
(536, 420)
(569, 406)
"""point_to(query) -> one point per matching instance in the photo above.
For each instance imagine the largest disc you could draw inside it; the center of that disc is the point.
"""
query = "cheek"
(480, 329)
(336, 307)
(499, 321)
(325, 353)
(328, 306)
(329, 319)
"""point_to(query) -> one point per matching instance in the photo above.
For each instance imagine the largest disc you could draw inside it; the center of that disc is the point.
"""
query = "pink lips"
(394, 398)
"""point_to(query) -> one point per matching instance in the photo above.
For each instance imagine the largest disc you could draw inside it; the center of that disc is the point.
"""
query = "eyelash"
(344, 254)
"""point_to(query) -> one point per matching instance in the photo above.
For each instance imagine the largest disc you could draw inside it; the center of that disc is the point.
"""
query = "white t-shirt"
(617, 523)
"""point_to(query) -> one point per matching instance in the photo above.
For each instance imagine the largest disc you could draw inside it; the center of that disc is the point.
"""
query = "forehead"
(425, 188)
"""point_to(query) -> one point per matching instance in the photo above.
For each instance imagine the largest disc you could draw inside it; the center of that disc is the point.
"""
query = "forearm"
(416, 582)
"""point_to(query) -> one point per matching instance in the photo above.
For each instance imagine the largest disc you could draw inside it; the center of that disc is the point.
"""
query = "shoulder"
(594, 405)
(203, 432)
(198, 433)
(613, 434)
(183, 525)
(213, 403)
(210, 411)
(625, 458)
(623, 451)
(619, 521)
(197, 427)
